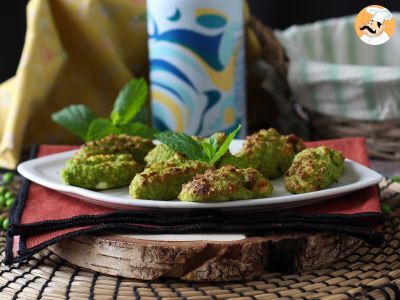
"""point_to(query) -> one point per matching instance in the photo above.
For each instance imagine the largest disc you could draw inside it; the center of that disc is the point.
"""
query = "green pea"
(5, 223)
(8, 177)
(386, 208)
(9, 195)
(396, 178)
(10, 202)
(2, 201)
(3, 190)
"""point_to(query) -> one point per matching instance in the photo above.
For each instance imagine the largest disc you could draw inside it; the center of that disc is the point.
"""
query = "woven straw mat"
(369, 273)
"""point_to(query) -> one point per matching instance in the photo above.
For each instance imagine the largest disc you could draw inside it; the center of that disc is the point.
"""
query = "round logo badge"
(374, 25)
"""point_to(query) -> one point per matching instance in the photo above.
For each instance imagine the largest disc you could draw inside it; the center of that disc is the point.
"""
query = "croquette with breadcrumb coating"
(136, 146)
(226, 183)
(164, 180)
(314, 169)
(101, 171)
(268, 152)
(162, 152)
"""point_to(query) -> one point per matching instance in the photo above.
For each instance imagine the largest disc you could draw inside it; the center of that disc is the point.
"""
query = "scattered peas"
(5, 223)
(7, 198)
(396, 178)
(2, 201)
(386, 208)
(8, 177)
(10, 202)
(9, 195)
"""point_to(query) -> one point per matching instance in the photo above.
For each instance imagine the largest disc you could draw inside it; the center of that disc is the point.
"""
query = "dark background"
(274, 13)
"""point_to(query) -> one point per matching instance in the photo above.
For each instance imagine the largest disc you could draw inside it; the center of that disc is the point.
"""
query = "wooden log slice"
(204, 257)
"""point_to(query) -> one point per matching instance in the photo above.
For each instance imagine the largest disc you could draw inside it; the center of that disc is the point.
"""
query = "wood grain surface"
(201, 260)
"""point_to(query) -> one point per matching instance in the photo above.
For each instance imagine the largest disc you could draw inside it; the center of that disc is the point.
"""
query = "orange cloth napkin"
(43, 216)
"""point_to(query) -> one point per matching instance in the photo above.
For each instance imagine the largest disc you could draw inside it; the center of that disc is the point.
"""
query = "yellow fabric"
(75, 52)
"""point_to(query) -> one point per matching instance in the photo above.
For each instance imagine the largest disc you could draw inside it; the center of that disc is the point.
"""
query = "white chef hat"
(379, 14)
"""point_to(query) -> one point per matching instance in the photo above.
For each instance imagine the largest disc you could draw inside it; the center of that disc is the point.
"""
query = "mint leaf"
(183, 143)
(140, 130)
(225, 146)
(208, 150)
(129, 101)
(213, 142)
(100, 128)
(75, 118)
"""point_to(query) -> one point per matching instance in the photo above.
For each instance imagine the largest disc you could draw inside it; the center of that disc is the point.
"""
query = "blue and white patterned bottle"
(197, 65)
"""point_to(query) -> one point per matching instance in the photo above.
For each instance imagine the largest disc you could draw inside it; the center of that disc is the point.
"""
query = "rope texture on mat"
(368, 273)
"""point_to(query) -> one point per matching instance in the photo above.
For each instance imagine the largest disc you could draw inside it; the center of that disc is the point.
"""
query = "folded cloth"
(43, 216)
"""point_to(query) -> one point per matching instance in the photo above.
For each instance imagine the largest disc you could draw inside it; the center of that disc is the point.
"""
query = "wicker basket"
(383, 137)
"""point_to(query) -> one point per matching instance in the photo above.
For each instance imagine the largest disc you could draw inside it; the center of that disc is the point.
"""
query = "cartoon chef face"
(375, 27)
(372, 28)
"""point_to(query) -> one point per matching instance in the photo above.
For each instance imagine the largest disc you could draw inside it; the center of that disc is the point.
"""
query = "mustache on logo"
(368, 28)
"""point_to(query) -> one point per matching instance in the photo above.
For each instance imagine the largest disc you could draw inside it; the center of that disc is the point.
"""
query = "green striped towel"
(333, 72)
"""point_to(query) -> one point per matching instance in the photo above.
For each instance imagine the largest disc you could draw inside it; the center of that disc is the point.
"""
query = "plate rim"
(25, 169)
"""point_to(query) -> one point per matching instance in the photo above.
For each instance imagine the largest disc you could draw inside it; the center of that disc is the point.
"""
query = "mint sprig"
(205, 151)
(82, 121)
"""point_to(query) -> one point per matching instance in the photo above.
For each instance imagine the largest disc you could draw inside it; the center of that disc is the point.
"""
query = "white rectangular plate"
(46, 171)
